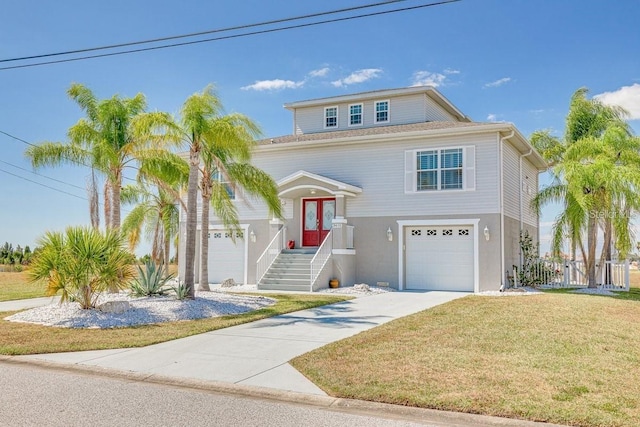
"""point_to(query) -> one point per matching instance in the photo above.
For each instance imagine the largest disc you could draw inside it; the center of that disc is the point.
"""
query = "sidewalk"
(257, 354)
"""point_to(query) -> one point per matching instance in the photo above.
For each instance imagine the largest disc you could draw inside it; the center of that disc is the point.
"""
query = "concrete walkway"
(257, 354)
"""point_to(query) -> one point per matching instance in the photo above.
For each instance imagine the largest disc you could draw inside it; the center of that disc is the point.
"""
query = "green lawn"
(15, 286)
(562, 358)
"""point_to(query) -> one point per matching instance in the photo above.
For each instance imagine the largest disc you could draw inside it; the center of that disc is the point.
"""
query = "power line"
(272, 30)
(43, 176)
(44, 185)
(201, 33)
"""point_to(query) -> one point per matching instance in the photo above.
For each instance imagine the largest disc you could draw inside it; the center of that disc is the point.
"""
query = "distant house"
(393, 187)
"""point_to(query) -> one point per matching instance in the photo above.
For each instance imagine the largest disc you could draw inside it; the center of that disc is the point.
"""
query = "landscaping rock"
(116, 307)
(228, 283)
(362, 287)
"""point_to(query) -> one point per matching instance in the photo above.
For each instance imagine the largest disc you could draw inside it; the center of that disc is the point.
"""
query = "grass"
(562, 358)
(14, 286)
(25, 338)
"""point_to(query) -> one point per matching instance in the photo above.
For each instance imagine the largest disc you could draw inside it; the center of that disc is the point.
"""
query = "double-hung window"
(382, 111)
(331, 117)
(437, 169)
(355, 115)
(227, 185)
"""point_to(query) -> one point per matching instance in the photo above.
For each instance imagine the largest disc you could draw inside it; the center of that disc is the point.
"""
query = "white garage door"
(439, 258)
(226, 258)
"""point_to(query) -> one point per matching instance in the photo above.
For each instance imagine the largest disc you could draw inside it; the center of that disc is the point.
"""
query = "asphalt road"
(36, 396)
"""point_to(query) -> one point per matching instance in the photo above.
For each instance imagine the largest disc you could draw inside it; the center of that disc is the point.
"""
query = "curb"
(421, 415)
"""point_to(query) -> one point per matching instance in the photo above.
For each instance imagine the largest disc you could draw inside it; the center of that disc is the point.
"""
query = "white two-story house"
(394, 187)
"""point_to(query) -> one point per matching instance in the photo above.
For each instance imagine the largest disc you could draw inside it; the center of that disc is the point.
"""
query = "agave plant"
(151, 281)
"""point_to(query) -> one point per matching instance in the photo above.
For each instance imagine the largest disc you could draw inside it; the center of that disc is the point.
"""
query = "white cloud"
(492, 117)
(498, 82)
(319, 72)
(627, 97)
(359, 76)
(275, 84)
(427, 78)
(451, 71)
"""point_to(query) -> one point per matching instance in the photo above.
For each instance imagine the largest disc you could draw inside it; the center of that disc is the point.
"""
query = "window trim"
(375, 111)
(336, 116)
(468, 170)
(361, 115)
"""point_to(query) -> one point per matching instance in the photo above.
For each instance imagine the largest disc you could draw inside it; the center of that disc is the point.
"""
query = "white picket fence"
(613, 275)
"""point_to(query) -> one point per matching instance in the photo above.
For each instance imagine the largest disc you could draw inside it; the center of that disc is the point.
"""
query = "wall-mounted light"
(252, 236)
(312, 191)
(389, 234)
(487, 236)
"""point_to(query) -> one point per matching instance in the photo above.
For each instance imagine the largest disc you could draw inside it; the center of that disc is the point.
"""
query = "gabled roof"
(302, 181)
(430, 91)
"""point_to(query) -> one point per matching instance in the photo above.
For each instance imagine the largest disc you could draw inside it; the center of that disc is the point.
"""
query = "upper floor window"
(227, 185)
(331, 117)
(382, 111)
(440, 169)
(355, 115)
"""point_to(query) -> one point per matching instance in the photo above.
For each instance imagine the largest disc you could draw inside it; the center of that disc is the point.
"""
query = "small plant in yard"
(181, 291)
(534, 271)
(81, 263)
(152, 280)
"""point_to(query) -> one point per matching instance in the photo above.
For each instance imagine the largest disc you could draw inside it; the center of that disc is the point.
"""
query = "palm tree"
(156, 215)
(224, 169)
(82, 262)
(220, 143)
(114, 135)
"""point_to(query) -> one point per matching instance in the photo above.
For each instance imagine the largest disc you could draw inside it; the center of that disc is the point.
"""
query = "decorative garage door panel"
(439, 258)
(226, 258)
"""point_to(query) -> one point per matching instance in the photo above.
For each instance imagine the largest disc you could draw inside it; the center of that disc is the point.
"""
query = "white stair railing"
(270, 254)
(320, 258)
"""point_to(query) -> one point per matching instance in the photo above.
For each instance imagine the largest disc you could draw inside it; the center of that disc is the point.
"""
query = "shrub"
(82, 262)
(181, 291)
(152, 280)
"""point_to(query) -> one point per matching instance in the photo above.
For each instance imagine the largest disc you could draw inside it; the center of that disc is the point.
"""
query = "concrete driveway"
(258, 353)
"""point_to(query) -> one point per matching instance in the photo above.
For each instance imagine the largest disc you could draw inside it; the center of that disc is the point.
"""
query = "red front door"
(317, 216)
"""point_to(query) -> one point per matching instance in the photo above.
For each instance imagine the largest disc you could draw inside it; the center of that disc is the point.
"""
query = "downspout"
(501, 188)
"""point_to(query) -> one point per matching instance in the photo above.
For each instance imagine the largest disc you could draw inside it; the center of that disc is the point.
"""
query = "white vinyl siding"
(380, 173)
(531, 189)
(514, 184)
(416, 108)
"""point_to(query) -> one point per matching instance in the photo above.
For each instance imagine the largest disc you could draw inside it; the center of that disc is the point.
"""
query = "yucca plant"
(151, 281)
(81, 263)
(181, 291)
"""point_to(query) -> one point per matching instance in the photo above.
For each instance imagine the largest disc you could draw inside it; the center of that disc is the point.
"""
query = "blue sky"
(496, 60)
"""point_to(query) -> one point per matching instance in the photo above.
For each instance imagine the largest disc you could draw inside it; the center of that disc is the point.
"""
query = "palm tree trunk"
(94, 202)
(592, 234)
(115, 190)
(192, 219)
(204, 239)
(606, 251)
(107, 203)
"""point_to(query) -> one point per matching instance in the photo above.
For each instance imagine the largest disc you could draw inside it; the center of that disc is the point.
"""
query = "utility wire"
(44, 185)
(272, 30)
(43, 176)
(201, 33)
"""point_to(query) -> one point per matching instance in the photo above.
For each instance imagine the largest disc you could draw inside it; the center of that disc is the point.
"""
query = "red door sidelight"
(317, 217)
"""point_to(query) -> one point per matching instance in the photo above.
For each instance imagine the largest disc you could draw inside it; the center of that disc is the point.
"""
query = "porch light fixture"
(252, 236)
(312, 191)
(486, 233)
(389, 234)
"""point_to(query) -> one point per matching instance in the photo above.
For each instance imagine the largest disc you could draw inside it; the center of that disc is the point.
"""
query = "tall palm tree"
(219, 143)
(596, 171)
(225, 169)
(114, 135)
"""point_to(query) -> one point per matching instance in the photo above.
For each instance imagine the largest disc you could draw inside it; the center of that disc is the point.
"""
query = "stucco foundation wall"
(377, 259)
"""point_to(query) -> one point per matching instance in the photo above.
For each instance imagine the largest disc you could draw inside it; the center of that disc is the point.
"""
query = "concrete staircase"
(291, 271)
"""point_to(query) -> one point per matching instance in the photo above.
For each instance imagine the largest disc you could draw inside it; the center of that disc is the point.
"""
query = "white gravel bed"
(142, 311)
(511, 292)
(595, 291)
(361, 289)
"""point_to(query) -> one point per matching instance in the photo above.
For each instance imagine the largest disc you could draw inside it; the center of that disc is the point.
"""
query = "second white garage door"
(439, 258)
(226, 258)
